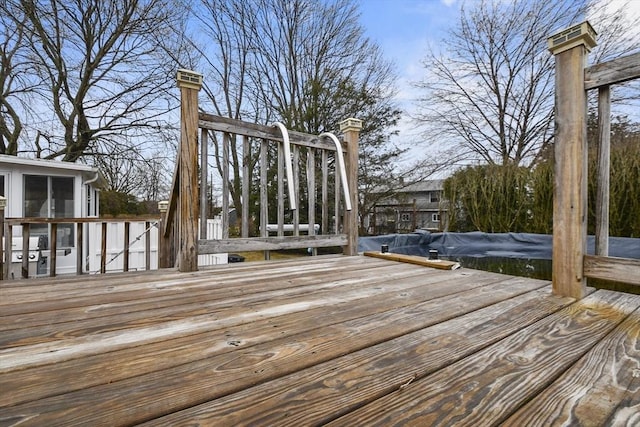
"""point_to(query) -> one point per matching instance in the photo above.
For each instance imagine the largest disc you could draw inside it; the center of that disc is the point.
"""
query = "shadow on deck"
(337, 340)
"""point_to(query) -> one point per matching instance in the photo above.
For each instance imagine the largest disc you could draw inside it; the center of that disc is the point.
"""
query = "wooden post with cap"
(189, 83)
(351, 131)
(570, 48)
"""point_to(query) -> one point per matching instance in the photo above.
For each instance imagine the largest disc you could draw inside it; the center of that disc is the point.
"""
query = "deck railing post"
(189, 83)
(570, 48)
(351, 130)
(3, 264)
(163, 241)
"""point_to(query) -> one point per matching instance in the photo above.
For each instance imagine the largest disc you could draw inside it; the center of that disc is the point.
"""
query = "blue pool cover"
(478, 244)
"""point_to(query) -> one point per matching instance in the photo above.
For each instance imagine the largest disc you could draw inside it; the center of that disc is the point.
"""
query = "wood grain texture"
(487, 387)
(440, 264)
(625, 270)
(618, 70)
(255, 130)
(232, 371)
(227, 334)
(272, 243)
(188, 158)
(570, 175)
(328, 339)
(357, 378)
(589, 394)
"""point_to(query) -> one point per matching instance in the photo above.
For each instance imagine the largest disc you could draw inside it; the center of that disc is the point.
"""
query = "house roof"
(90, 173)
(427, 185)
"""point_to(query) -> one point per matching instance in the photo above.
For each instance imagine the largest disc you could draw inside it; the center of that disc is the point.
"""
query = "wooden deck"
(343, 341)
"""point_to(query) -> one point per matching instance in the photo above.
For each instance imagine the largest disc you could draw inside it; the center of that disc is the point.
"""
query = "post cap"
(163, 205)
(3, 202)
(581, 34)
(350, 124)
(189, 79)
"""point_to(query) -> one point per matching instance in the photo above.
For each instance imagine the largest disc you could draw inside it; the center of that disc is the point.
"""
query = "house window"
(50, 197)
(405, 217)
(434, 196)
(3, 191)
(435, 217)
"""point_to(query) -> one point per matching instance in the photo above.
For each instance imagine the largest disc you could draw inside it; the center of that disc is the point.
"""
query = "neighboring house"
(416, 206)
(49, 189)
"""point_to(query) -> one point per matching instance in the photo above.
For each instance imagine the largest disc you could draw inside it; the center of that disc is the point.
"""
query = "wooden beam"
(188, 212)
(254, 130)
(603, 172)
(570, 179)
(351, 129)
(615, 71)
(204, 165)
(270, 243)
(624, 270)
(440, 264)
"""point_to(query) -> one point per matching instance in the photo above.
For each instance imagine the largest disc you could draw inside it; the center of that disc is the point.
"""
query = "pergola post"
(351, 131)
(189, 83)
(570, 48)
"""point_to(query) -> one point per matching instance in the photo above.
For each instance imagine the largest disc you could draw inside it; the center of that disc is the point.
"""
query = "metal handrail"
(342, 168)
(288, 164)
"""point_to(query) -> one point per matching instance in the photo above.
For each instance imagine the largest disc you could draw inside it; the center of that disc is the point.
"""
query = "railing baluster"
(103, 252)
(225, 185)
(264, 196)
(80, 248)
(204, 165)
(296, 189)
(246, 185)
(325, 193)
(54, 250)
(311, 190)
(602, 191)
(125, 259)
(280, 190)
(147, 245)
(25, 251)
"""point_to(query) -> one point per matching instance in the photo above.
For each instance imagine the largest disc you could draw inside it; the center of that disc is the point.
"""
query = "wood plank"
(225, 124)
(191, 304)
(570, 175)
(227, 281)
(616, 71)
(603, 388)
(187, 201)
(41, 381)
(83, 342)
(273, 243)
(326, 391)
(624, 270)
(198, 290)
(603, 171)
(416, 260)
(186, 385)
(492, 384)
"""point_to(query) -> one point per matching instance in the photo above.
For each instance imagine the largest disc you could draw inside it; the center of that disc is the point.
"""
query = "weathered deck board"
(361, 377)
(590, 392)
(183, 305)
(347, 340)
(488, 386)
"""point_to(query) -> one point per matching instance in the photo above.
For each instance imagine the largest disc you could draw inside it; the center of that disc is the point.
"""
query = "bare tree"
(17, 86)
(304, 63)
(490, 87)
(104, 73)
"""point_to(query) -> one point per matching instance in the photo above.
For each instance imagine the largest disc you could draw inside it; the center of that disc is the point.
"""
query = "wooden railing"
(571, 264)
(312, 154)
(309, 153)
(6, 231)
